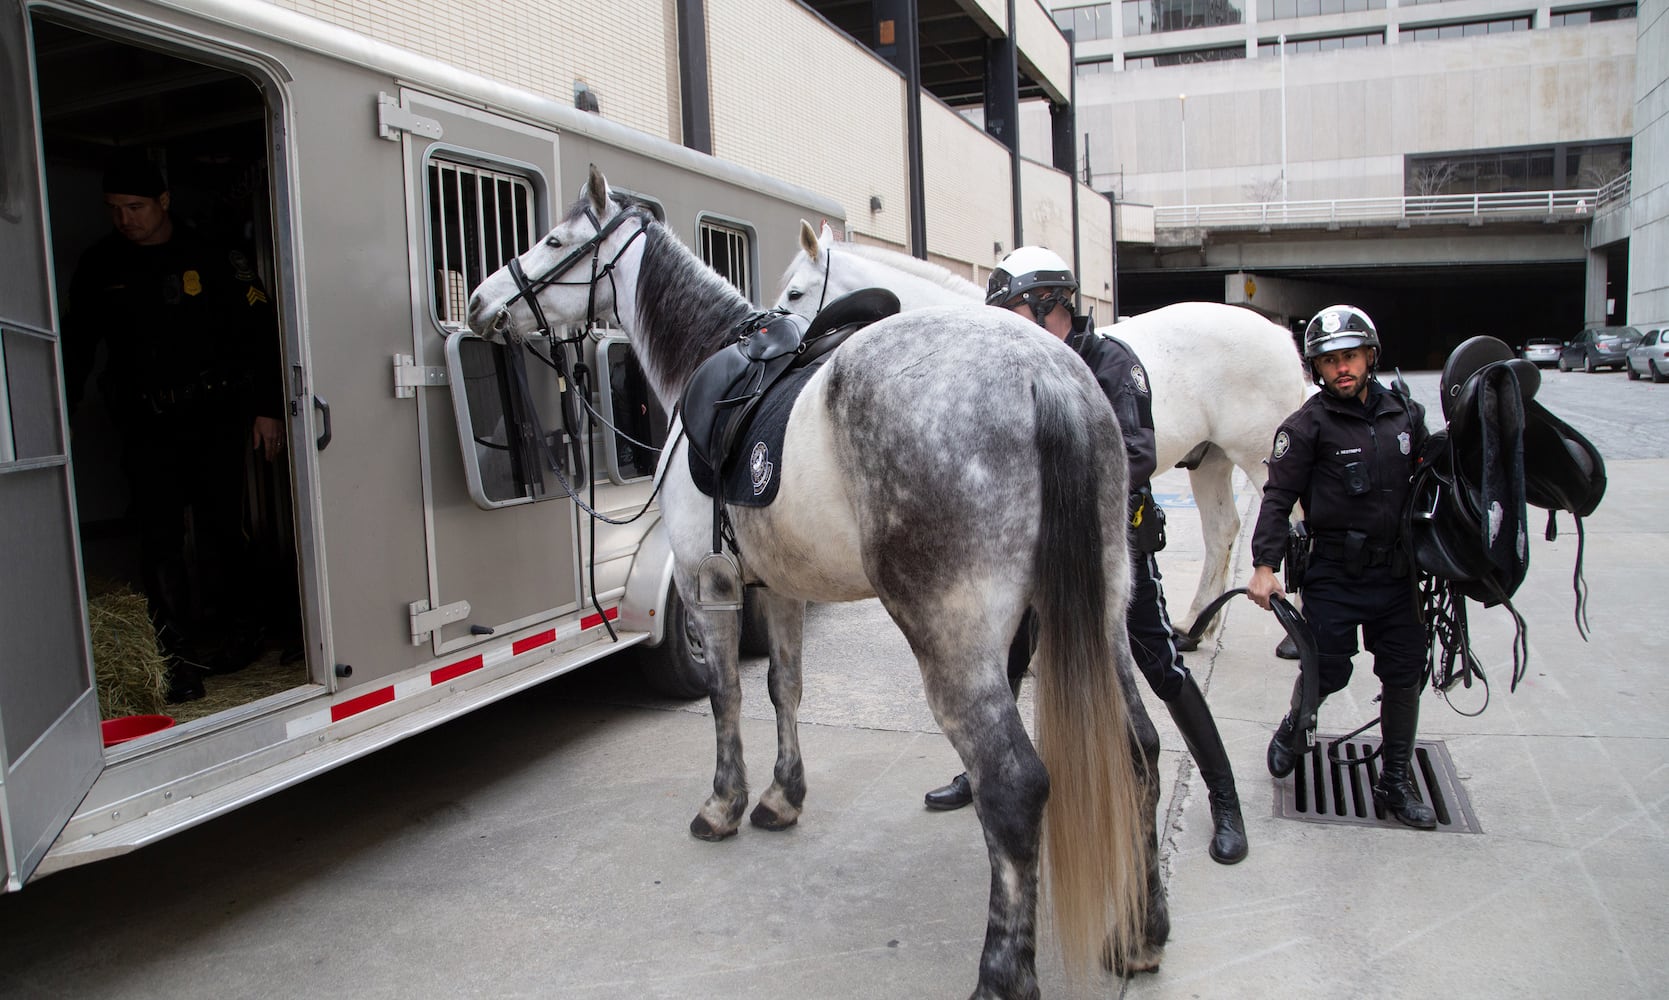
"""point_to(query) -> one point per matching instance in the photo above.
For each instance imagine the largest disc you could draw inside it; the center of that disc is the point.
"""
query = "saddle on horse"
(754, 380)
(1467, 517)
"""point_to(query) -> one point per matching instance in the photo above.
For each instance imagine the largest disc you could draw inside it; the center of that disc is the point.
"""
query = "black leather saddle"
(1562, 469)
(1467, 508)
(727, 388)
(1466, 520)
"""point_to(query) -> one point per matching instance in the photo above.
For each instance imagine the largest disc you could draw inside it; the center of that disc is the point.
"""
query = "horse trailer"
(421, 562)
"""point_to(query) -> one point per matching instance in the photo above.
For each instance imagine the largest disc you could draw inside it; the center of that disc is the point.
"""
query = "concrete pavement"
(538, 848)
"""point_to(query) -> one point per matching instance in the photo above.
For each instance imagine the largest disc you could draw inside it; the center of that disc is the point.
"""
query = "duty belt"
(1334, 548)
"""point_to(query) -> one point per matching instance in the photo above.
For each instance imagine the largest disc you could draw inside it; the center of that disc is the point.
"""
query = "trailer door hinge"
(408, 375)
(425, 621)
(393, 119)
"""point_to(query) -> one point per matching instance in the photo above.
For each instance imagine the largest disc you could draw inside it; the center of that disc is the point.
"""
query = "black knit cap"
(134, 175)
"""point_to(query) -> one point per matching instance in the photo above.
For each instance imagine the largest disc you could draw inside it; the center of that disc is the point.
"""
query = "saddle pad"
(755, 468)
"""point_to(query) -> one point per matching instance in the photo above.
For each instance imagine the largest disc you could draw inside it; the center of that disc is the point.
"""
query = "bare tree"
(1431, 177)
(1263, 190)
(1598, 174)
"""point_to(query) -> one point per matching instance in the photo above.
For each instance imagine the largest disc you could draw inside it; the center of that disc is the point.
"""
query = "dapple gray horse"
(959, 465)
(1223, 378)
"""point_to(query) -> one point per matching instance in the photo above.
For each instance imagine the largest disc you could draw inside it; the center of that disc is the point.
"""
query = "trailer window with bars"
(727, 247)
(478, 219)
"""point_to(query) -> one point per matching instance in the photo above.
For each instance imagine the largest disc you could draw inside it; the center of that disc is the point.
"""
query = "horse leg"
(779, 807)
(1213, 485)
(720, 632)
(1144, 744)
(967, 689)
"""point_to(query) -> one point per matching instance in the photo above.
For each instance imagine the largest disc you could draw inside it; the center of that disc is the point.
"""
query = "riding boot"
(1399, 715)
(952, 796)
(1286, 649)
(1283, 756)
(1199, 730)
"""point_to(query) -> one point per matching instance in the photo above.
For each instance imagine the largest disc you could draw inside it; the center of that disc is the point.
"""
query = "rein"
(573, 381)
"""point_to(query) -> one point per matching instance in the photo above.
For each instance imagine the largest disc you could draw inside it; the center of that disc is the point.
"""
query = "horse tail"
(1095, 843)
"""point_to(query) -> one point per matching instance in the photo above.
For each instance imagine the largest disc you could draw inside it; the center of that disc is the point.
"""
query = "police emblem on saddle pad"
(760, 467)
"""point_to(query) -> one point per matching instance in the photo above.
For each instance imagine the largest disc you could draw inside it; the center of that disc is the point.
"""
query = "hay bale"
(131, 671)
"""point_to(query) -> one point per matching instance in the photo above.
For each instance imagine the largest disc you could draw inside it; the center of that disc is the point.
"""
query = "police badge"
(1138, 376)
(1405, 441)
(1282, 443)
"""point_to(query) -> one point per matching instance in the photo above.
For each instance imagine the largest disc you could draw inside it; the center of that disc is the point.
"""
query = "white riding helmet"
(1339, 328)
(1029, 268)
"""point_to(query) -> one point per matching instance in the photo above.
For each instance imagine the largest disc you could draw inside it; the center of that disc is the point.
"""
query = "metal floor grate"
(1320, 791)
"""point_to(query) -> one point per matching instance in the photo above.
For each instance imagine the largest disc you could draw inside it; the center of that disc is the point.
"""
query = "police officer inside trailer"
(192, 386)
(1347, 454)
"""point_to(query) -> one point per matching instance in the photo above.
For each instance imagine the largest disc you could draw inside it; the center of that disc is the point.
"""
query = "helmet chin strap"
(1042, 306)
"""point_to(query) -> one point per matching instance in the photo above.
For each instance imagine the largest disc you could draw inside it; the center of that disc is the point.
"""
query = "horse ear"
(596, 189)
(827, 236)
(808, 240)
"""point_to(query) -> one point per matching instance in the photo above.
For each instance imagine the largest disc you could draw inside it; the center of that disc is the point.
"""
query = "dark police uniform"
(1124, 380)
(1349, 463)
(193, 359)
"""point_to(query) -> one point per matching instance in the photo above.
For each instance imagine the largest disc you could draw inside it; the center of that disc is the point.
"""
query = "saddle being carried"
(1467, 519)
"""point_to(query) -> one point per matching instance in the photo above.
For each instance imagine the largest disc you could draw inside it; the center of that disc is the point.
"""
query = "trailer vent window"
(728, 249)
(478, 220)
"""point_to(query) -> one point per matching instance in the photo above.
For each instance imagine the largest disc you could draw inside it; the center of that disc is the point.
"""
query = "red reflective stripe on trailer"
(592, 621)
(365, 702)
(521, 646)
(451, 670)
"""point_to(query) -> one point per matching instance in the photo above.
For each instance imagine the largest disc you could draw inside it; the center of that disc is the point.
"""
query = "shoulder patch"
(1282, 444)
(1138, 376)
(240, 266)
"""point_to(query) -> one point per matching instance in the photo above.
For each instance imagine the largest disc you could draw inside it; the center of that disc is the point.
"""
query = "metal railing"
(1615, 189)
(1573, 204)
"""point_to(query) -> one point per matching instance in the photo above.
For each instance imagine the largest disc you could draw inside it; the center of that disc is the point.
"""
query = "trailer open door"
(50, 750)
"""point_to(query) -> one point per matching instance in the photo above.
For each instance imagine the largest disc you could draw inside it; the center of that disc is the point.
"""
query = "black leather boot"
(952, 796)
(1399, 716)
(1283, 756)
(1199, 730)
(1286, 649)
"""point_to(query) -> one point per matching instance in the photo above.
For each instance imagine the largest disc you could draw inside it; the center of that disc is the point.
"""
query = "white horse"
(960, 466)
(1223, 377)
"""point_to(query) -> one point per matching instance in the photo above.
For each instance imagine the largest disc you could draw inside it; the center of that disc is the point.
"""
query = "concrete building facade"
(811, 93)
(1190, 103)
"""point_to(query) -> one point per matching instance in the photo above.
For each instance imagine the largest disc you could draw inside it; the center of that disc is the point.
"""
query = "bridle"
(575, 377)
(529, 288)
(823, 296)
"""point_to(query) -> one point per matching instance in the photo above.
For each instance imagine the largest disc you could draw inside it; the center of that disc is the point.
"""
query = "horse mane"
(686, 310)
(923, 269)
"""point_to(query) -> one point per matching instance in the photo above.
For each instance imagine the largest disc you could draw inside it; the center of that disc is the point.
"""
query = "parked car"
(1599, 347)
(1542, 351)
(1650, 357)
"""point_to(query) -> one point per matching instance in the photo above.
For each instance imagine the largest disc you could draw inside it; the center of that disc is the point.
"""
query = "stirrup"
(718, 583)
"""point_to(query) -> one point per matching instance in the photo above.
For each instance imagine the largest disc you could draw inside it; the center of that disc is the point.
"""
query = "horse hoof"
(703, 830)
(1130, 966)
(767, 818)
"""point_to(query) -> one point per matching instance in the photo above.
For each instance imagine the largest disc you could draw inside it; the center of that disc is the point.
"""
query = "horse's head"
(567, 278)
(805, 284)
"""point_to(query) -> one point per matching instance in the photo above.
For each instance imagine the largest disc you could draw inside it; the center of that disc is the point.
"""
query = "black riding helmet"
(1035, 275)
